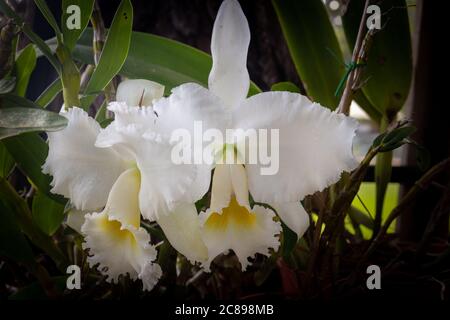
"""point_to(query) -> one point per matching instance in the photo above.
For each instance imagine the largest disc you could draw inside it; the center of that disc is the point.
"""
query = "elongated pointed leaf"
(12, 242)
(48, 15)
(29, 151)
(25, 64)
(49, 94)
(17, 120)
(389, 68)
(313, 46)
(22, 215)
(169, 62)
(14, 101)
(115, 49)
(6, 162)
(47, 213)
(285, 86)
(70, 9)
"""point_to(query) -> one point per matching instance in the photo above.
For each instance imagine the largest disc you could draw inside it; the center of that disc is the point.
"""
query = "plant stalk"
(383, 171)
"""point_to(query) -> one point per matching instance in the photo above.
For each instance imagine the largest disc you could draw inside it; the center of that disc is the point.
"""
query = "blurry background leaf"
(12, 242)
(71, 35)
(6, 162)
(29, 151)
(14, 121)
(13, 101)
(47, 213)
(285, 86)
(389, 68)
(22, 215)
(313, 46)
(360, 217)
(115, 49)
(25, 64)
(169, 62)
(367, 106)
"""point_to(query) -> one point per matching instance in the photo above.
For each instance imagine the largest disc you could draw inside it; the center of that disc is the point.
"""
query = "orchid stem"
(407, 200)
(347, 96)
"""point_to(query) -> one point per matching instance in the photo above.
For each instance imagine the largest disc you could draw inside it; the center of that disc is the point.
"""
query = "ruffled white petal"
(81, 172)
(293, 215)
(164, 184)
(143, 118)
(189, 104)
(139, 92)
(229, 77)
(182, 229)
(118, 249)
(315, 145)
(117, 244)
(129, 123)
(244, 232)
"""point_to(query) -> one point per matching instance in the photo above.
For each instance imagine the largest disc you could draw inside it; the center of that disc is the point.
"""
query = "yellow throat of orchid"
(234, 215)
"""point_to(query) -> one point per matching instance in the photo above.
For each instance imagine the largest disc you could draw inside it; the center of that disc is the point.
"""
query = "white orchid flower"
(126, 170)
(315, 146)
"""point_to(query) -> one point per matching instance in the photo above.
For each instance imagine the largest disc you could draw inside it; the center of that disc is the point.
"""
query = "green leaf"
(313, 46)
(25, 64)
(379, 139)
(289, 240)
(14, 101)
(367, 106)
(42, 46)
(72, 35)
(115, 49)
(169, 62)
(48, 15)
(22, 215)
(49, 94)
(389, 67)
(285, 86)
(360, 217)
(29, 151)
(47, 213)
(14, 121)
(6, 162)
(393, 139)
(398, 134)
(12, 242)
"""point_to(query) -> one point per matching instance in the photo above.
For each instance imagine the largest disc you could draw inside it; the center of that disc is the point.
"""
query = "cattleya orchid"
(315, 147)
(113, 175)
